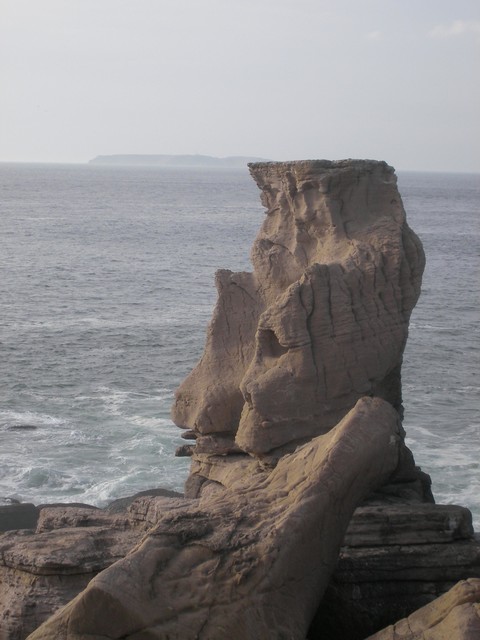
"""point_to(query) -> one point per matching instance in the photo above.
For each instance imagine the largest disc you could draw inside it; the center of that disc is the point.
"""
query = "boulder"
(250, 561)
(453, 616)
(321, 322)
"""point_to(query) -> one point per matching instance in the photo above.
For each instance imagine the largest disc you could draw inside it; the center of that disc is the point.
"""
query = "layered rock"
(250, 562)
(321, 321)
(43, 568)
(394, 559)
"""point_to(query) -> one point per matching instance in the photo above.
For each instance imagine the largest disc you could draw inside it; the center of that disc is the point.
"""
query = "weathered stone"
(121, 504)
(184, 450)
(401, 524)
(44, 569)
(321, 322)
(453, 616)
(63, 516)
(189, 435)
(40, 572)
(250, 561)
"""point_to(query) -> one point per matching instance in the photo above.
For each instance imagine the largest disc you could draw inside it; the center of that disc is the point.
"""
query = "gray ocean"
(106, 289)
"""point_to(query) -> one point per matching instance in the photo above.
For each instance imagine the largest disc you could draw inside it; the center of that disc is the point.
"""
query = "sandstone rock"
(40, 572)
(453, 616)
(121, 504)
(62, 516)
(321, 321)
(402, 524)
(184, 451)
(395, 559)
(250, 561)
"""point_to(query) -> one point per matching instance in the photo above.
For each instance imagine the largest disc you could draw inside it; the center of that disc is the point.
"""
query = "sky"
(394, 80)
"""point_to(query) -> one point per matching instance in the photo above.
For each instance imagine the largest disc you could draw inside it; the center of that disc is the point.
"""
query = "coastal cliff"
(304, 513)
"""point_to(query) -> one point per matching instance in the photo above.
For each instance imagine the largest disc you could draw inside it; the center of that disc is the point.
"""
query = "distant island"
(175, 161)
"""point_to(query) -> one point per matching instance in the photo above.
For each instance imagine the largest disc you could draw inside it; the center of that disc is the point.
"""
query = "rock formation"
(321, 321)
(295, 413)
(251, 562)
(44, 569)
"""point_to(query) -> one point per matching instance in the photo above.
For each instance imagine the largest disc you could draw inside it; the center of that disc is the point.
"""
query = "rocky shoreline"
(304, 515)
(394, 559)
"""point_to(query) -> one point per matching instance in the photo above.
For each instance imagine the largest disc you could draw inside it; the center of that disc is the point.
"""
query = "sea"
(106, 290)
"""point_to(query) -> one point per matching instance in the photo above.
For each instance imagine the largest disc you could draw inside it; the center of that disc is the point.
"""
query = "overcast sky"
(395, 80)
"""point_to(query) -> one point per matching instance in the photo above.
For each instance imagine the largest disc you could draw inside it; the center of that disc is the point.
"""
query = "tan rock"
(250, 561)
(408, 524)
(40, 572)
(453, 616)
(321, 322)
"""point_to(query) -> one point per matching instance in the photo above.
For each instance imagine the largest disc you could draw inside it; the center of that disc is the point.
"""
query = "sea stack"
(321, 322)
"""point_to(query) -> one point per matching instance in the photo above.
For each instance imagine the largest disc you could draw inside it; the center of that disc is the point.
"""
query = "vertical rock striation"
(321, 321)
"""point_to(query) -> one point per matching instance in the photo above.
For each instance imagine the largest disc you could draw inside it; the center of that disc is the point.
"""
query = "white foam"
(150, 423)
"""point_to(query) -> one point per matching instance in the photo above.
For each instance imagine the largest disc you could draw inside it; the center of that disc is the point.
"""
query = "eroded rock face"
(249, 562)
(40, 572)
(42, 569)
(321, 321)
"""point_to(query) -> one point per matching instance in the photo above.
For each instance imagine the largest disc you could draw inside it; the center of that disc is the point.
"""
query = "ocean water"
(106, 289)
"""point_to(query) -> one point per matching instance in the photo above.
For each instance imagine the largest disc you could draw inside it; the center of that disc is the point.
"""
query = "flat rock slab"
(65, 551)
(408, 524)
(41, 572)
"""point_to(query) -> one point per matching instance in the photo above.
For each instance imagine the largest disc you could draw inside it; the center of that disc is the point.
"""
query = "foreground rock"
(395, 558)
(42, 569)
(250, 562)
(321, 322)
(40, 572)
(453, 616)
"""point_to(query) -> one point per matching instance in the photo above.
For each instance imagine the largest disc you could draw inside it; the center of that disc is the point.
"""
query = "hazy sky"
(396, 80)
